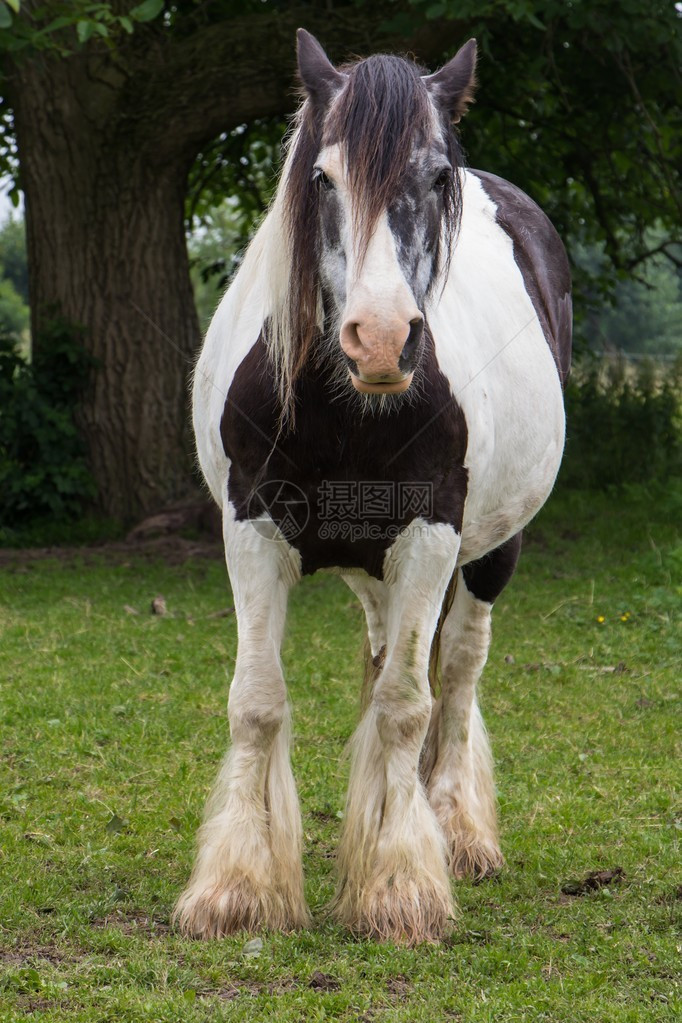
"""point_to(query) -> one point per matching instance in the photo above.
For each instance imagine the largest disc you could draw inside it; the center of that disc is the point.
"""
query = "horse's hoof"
(238, 905)
(403, 911)
(476, 859)
(473, 850)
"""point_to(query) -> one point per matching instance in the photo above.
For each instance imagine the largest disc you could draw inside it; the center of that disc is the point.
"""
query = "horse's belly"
(512, 461)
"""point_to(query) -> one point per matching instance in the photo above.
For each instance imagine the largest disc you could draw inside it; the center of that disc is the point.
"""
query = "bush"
(43, 471)
(624, 425)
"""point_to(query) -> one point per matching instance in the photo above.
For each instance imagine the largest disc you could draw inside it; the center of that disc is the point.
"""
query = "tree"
(111, 103)
(110, 107)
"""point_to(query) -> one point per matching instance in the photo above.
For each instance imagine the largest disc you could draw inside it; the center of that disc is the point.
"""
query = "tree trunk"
(106, 250)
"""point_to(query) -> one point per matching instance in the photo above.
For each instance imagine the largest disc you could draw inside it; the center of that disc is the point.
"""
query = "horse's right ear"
(320, 78)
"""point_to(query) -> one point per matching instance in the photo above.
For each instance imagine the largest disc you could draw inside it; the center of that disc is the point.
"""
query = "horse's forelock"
(378, 119)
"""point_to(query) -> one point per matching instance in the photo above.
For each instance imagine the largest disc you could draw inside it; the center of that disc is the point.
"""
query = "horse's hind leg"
(457, 761)
(247, 872)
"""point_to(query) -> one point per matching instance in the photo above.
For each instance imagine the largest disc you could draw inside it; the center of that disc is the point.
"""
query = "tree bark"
(106, 251)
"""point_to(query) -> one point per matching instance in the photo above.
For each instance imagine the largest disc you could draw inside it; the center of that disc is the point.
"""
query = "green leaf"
(127, 24)
(32, 978)
(5, 16)
(55, 25)
(84, 30)
(147, 11)
(14, 4)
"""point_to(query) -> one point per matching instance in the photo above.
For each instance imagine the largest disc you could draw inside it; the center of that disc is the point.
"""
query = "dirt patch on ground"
(161, 537)
(593, 882)
(33, 1003)
(398, 987)
(136, 922)
(173, 550)
(34, 955)
(323, 982)
(251, 989)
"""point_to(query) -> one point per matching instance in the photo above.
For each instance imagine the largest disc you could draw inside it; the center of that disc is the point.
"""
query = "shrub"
(624, 425)
(43, 471)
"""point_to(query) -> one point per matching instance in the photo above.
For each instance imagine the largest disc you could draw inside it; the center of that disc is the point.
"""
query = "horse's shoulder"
(541, 257)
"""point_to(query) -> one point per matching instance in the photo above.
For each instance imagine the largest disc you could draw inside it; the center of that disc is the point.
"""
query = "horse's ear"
(320, 78)
(453, 86)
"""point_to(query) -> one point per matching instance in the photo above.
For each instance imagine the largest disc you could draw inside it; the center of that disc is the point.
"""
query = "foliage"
(580, 105)
(14, 312)
(52, 27)
(644, 315)
(14, 315)
(42, 465)
(624, 425)
(240, 166)
(114, 723)
(13, 265)
(229, 188)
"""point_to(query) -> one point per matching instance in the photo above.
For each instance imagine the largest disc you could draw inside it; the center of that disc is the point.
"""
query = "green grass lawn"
(114, 723)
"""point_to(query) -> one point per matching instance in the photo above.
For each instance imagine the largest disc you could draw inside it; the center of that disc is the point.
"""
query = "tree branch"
(661, 249)
(185, 91)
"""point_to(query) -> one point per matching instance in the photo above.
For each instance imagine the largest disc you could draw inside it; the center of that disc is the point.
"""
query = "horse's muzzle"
(381, 385)
(382, 352)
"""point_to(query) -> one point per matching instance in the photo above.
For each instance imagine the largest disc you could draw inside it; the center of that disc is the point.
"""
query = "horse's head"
(372, 198)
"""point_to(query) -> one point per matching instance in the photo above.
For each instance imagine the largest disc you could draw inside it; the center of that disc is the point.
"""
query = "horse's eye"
(322, 181)
(441, 181)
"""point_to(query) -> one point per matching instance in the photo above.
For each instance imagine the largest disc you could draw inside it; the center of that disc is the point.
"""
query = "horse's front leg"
(247, 872)
(392, 859)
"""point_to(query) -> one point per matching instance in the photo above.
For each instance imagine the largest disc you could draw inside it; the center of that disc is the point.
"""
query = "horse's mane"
(382, 113)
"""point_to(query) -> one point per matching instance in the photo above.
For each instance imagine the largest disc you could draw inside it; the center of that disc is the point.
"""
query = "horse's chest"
(342, 485)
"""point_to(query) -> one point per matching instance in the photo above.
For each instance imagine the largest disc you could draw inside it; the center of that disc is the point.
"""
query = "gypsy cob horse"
(398, 334)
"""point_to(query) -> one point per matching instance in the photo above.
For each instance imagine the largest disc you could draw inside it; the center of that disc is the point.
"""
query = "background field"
(114, 722)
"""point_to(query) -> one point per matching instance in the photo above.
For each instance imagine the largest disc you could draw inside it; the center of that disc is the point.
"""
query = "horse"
(379, 394)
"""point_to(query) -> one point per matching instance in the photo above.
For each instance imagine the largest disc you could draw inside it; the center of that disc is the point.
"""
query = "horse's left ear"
(319, 76)
(453, 86)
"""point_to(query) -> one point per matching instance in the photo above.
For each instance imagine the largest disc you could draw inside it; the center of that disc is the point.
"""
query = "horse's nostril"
(413, 339)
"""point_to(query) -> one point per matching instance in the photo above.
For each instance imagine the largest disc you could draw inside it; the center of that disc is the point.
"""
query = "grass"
(114, 723)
